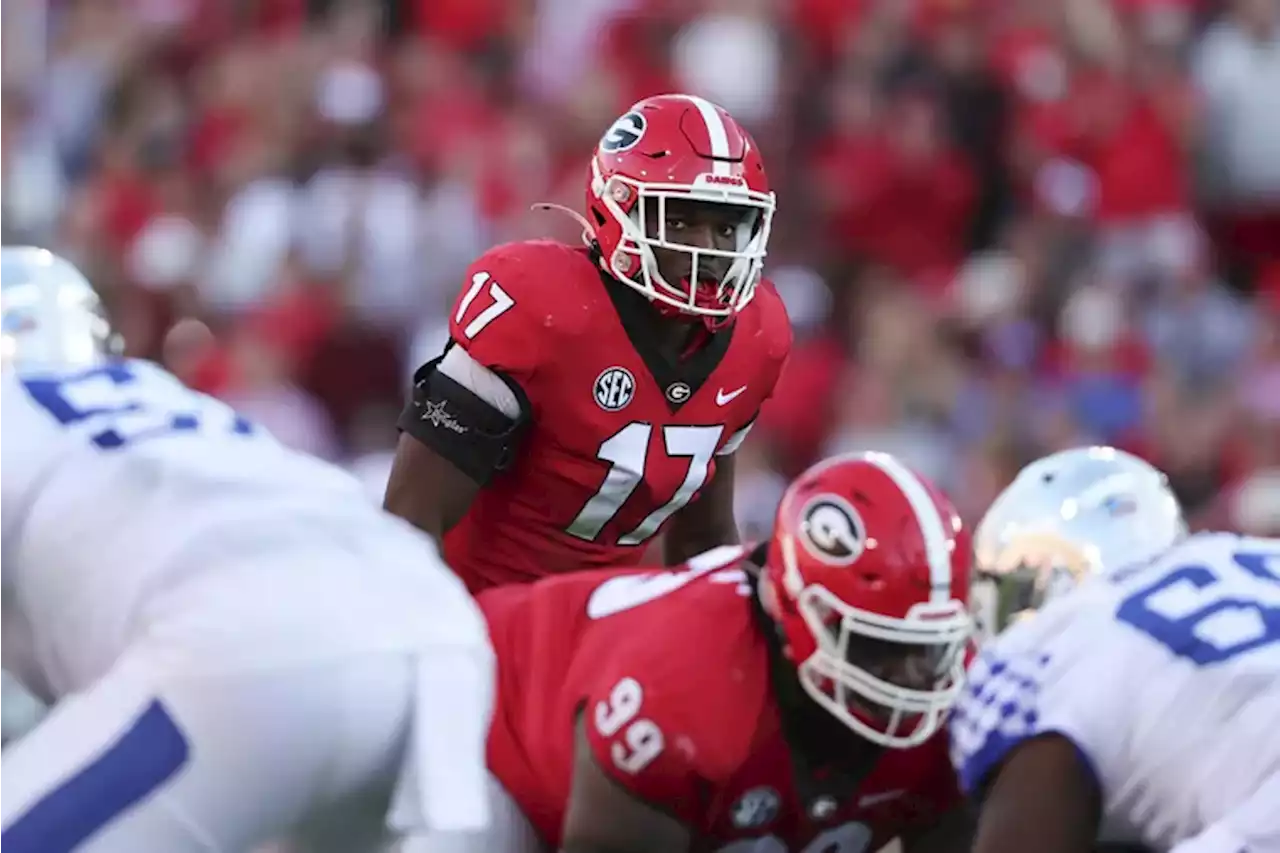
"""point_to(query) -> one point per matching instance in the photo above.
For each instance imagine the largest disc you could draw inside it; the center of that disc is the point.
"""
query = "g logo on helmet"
(832, 530)
(625, 133)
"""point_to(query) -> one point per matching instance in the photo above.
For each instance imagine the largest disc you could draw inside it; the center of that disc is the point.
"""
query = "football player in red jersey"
(726, 707)
(590, 398)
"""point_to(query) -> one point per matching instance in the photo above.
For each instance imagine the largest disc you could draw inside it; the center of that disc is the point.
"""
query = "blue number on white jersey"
(124, 402)
(1206, 614)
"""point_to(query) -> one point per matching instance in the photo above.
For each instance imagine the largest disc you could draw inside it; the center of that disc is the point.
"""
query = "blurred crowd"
(1005, 226)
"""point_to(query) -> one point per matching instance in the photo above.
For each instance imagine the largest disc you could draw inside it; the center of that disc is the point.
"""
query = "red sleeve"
(637, 737)
(657, 729)
(777, 334)
(494, 316)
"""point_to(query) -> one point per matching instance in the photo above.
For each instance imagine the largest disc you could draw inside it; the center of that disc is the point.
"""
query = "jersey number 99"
(641, 740)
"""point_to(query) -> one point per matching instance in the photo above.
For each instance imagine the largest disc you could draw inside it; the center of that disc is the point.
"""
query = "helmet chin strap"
(790, 567)
(713, 323)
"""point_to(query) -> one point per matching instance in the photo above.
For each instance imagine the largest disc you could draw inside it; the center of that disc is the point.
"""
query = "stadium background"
(1005, 226)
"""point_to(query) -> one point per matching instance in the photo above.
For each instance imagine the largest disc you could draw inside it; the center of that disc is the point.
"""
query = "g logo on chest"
(832, 530)
(678, 392)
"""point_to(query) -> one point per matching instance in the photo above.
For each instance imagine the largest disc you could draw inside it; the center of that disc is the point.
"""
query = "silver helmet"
(1076, 513)
(52, 317)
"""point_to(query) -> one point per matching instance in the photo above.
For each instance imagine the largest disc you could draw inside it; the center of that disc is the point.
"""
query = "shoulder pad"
(773, 322)
(512, 303)
(666, 671)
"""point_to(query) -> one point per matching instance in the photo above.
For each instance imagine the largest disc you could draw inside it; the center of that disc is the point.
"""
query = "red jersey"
(621, 438)
(672, 674)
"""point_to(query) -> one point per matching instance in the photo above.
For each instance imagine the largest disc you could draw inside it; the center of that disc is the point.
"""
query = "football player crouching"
(1129, 699)
(231, 638)
(789, 698)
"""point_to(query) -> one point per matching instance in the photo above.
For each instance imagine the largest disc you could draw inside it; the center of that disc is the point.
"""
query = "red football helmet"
(679, 146)
(870, 565)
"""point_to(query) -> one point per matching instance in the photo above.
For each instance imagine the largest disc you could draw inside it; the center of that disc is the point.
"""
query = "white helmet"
(1079, 512)
(51, 315)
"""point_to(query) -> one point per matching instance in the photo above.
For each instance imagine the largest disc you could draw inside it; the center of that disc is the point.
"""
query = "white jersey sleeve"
(1031, 681)
(118, 481)
(1166, 678)
(461, 367)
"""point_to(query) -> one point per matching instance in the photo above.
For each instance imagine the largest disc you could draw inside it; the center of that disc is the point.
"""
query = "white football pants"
(141, 763)
(508, 831)
(166, 754)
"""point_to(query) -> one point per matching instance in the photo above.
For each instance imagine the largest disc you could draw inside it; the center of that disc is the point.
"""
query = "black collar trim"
(678, 378)
(828, 761)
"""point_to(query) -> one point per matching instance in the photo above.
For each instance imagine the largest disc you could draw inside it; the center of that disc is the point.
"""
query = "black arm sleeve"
(460, 426)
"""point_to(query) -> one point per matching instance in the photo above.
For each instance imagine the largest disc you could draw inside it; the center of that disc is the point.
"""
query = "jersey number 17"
(627, 452)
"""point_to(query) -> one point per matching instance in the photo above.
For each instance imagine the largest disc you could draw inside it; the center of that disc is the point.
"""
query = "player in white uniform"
(232, 636)
(1144, 703)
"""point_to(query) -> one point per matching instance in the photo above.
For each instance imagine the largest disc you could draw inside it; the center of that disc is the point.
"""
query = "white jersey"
(1167, 679)
(125, 493)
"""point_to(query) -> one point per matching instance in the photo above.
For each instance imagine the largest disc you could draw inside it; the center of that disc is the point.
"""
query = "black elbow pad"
(467, 430)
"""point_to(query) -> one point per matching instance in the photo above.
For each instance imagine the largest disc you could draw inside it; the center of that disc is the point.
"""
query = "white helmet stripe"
(932, 525)
(716, 134)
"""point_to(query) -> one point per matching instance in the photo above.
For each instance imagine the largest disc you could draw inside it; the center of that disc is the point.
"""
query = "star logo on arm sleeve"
(435, 413)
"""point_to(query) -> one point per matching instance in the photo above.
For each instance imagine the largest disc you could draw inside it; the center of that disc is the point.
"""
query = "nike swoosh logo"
(875, 799)
(723, 398)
